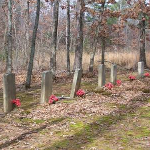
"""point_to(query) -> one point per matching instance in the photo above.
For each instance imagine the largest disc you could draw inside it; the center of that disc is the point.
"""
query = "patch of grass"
(68, 101)
(39, 121)
(78, 125)
(43, 132)
(88, 86)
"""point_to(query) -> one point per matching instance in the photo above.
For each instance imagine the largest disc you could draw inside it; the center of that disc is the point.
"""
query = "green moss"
(78, 125)
(39, 121)
(143, 132)
(68, 101)
(60, 145)
(43, 132)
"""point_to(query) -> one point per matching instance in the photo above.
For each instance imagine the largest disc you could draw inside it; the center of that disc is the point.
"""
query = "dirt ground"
(117, 119)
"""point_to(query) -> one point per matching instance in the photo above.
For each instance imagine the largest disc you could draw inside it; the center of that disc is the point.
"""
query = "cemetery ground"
(116, 119)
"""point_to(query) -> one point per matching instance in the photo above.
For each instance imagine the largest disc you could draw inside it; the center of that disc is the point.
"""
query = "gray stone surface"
(101, 75)
(46, 86)
(9, 92)
(141, 69)
(113, 76)
(76, 82)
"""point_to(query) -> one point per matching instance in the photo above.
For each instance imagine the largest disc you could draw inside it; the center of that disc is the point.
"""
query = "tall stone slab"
(9, 92)
(101, 75)
(140, 69)
(46, 86)
(113, 76)
(76, 82)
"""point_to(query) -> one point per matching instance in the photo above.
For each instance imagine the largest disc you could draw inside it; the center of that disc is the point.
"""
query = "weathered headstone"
(113, 76)
(46, 86)
(76, 82)
(9, 92)
(141, 69)
(101, 75)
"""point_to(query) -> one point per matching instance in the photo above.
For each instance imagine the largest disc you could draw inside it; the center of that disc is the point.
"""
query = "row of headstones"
(9, 89)
(113, 76)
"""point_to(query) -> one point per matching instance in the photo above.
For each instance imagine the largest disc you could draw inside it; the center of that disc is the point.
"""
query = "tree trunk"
(9, 39)
(79, 40)
(103, 38)
(103, 51)
(142, 41)
(54, 40)
(93, 55)
(27, 32)
(68, 36)
(30, 66)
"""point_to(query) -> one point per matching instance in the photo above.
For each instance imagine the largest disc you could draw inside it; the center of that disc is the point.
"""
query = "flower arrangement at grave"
(109, 86)
(80, 93)
(118, 82)
(131, 77)
(16, 102)
(53, 99)
(147, 75)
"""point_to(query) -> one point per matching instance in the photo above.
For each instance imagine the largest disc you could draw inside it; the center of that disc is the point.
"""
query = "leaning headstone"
(113, 76)
(101, 75)
(9, 92)
(141, 69)
(46, 86)
(76, 82)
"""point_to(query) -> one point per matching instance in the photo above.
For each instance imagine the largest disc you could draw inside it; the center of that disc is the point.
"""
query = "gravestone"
(9, 92)
(46, 86)
(101, 75)
(76, 82)
(141, 69)
(113, 76)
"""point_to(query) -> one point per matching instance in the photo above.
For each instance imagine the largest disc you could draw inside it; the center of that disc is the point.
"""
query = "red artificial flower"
(16, 102)
(131, 77)
(53, 99)
(80, 93)
(118, 82)
(147, 74)
(109, 85)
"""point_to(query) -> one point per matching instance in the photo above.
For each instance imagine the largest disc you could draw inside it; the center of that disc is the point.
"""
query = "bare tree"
(9, 39)
(30, 66)
(79, 40)
(142, 41)
(54, 40)
(68, 35)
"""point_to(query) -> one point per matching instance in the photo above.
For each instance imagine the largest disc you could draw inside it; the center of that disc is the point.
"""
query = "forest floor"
(117, 119)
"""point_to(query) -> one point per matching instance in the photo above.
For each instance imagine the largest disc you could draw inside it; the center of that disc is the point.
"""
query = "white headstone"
(101, 75)
(141, 69)
(9, 92)
(76, 82)
(113, 76)
(46, 86)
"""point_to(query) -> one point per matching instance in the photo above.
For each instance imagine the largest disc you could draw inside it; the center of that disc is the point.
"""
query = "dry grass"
(41, 62)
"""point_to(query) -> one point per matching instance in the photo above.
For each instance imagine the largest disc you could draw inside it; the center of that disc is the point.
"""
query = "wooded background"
(38, 35)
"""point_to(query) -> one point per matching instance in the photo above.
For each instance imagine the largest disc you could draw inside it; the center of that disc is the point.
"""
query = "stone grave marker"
(76, 82)
(141, 69)
(9, 92)
(46, 86)
(113, 76)
(101, 75)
